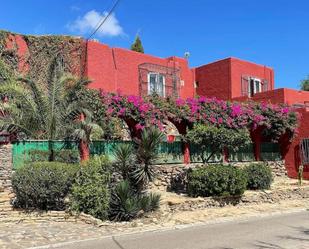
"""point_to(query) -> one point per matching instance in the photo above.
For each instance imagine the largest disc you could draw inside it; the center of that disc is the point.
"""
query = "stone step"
(6, 207)
(4, 200)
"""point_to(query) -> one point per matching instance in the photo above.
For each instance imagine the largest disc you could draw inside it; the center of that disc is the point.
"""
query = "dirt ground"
(165, 217)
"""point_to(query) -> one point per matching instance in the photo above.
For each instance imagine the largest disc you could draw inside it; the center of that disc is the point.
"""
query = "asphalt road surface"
(285, 231)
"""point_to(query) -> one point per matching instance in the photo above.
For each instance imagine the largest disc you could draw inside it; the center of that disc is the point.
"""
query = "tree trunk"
(51, 151)
(84, 151)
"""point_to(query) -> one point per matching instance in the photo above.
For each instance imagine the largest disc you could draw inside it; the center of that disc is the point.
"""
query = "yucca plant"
(146, 154)
(124, 159)
(126, 204)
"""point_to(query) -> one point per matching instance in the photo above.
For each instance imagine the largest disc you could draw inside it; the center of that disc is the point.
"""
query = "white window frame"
(148, 80)
(255, 80)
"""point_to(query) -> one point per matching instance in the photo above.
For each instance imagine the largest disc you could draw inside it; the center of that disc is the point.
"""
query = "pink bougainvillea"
(152, 110)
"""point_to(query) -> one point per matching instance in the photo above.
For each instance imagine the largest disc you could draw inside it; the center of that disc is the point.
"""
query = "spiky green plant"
(124, 204)
(37, 113)
(146, 154)
(124, 159)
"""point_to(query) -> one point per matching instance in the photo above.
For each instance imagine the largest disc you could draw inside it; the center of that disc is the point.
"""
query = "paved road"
(288, 231)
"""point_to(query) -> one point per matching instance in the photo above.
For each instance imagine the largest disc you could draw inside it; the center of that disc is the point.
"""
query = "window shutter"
(245, 85)
(264, 85)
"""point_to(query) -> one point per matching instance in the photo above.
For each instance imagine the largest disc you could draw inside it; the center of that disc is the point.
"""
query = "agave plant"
(124, 159)
(146, 154)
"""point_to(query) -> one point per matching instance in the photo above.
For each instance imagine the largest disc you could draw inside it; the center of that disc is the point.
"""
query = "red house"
(132, 73)
(117, 69)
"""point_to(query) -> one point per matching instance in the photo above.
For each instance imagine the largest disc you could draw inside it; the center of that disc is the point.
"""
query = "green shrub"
(216, 139)
(216, 180)
(43, 185)
(259, 176)
(63, 156)
(90, 193)
(126, 204)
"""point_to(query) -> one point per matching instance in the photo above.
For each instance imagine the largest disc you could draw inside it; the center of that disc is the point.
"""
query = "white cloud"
(89, 22)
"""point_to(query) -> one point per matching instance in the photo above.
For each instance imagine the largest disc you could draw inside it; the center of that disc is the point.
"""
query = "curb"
(216, 221)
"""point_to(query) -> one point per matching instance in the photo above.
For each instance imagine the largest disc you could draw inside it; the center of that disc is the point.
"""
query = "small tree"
(124, 159)
(305, 84)
(217, 139)
(146, 154)
(137, 45)
(83, 134)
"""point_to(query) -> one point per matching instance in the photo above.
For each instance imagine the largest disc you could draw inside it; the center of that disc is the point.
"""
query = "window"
(156, 84)
(255, 86)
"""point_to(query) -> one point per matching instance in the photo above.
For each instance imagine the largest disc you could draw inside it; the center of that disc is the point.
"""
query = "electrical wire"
(104, 19)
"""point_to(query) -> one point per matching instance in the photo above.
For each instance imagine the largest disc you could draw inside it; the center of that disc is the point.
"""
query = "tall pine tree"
(305, 84)
(137, 45)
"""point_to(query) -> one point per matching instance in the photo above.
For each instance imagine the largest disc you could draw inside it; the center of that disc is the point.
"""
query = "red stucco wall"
(280, 96)
(214, 79)
(116, 69)
(223, 79)
(240, 68)
(17, 42)
(291, 151)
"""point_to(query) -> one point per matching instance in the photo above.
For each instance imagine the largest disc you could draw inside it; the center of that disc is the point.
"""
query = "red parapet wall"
(223, 79)
(213, 80)
(117, 69)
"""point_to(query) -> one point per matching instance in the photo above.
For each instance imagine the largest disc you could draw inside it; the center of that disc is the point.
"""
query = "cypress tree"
(137, 45)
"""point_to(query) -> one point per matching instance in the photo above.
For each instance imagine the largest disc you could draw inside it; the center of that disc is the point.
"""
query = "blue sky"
(270, 32)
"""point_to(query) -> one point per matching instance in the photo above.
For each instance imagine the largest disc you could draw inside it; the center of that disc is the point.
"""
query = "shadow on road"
(301, 230)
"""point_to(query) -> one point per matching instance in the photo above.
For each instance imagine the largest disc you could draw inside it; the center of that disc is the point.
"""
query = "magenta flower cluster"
(153, 110)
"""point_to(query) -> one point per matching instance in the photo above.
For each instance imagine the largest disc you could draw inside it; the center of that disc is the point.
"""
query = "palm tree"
(33, 113)
(84, 128)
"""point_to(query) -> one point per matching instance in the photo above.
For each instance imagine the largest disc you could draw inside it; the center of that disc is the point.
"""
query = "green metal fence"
(270, 152)
(22, 151)
(245, 154)
(196, 155)
(168, 152)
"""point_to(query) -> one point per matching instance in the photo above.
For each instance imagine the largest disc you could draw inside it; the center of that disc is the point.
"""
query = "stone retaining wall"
(166, 173)
(6, 192)
(6, 166)
(42, 216)
(249, 198)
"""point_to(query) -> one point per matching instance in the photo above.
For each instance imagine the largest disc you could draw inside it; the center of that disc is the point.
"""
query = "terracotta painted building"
(132, 73)
(117, 69)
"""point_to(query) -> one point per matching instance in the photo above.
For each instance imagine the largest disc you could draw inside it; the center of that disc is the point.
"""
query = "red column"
(186, 153)
(225, 155)
(257, 148)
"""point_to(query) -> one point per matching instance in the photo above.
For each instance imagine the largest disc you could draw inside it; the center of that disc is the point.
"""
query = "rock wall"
(249, 198)
(169, 174)
(6, 167)
(6, 192)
